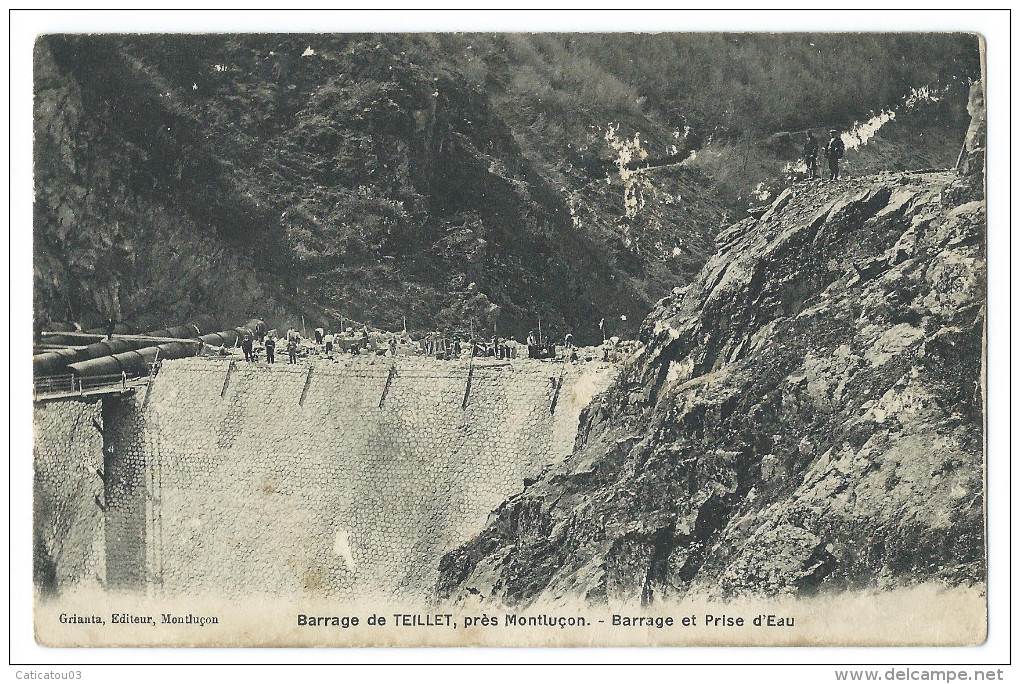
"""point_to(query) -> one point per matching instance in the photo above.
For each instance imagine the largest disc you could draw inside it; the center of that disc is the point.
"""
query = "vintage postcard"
(509, 339)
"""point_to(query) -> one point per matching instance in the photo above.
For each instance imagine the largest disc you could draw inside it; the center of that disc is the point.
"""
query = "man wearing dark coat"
(811, 155)
(834, 151)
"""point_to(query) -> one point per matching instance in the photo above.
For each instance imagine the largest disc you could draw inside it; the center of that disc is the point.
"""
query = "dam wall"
(67, 506)
(327, 479)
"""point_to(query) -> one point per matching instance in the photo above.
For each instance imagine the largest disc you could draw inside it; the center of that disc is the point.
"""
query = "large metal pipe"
(55, 362)
(107, 365)
(183, 331)
(115, 356)
(178, 350)
(229, 337)
(71, 340)
(212, 340)
(135, 362)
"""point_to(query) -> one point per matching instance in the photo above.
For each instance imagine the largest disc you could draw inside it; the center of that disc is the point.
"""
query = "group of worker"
(433, 345)
(325, 341)
(292, 341)
(439, 346)
(834, 151)
(436, 344)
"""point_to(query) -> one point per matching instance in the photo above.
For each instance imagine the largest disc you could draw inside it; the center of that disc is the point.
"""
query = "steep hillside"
(923, 131)
(806, 415)
(455, 180)
(263, 176)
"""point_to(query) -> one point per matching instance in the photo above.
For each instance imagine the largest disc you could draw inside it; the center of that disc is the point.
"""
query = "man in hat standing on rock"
(834, 151)
(810, 156)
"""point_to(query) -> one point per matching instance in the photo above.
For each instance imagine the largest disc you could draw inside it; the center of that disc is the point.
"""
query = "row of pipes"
(182, 331)
(135, 357)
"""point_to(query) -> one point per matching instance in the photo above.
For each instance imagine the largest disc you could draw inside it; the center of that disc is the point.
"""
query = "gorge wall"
(68, 493)
(807, 415)
(335, 480)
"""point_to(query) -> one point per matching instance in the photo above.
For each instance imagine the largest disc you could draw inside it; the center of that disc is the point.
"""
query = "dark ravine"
(807, 416)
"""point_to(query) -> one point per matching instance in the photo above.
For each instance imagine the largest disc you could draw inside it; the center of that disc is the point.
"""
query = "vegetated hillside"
(807, 415)
(726, 98)
(183, 177)
(926, 135)
(463, 181)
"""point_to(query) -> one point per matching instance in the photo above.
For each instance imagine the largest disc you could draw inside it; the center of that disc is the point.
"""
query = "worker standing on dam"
(270, 349)
(328, 340)
(246, 346)
(569, 354)
(292, 349)
(441, 346)
(834, 151)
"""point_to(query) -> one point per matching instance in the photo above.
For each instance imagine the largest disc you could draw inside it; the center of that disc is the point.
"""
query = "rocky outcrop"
(110, 238)
(972, 158)
(807, 415)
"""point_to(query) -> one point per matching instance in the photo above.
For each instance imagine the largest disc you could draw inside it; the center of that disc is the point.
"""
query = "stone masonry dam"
(327, 479)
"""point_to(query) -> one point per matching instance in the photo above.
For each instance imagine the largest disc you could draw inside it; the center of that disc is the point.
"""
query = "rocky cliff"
(807, 416)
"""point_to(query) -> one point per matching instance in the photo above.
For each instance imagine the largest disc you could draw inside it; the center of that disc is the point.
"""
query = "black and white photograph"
(509, 338)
